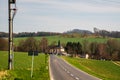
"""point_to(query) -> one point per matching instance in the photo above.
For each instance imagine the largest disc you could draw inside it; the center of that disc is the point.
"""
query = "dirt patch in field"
(3, 74)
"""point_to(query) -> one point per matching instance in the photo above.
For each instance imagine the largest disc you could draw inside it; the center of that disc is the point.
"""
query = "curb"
(50, 73)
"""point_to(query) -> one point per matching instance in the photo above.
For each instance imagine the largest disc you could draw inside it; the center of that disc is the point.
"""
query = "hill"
(79, 31)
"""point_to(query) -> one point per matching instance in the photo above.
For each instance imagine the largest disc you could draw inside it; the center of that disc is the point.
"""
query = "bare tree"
(43, 45)
(102, 49)
(113, 47)
(3, 44)
(30, 44)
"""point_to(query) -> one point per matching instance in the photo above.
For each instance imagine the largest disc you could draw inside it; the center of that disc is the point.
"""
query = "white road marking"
(71, 74)
(68, 72)
(76, 78)
(63, 67)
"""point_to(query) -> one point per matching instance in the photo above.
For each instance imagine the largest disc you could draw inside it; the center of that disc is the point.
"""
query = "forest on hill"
(29, 34)
(97, 32)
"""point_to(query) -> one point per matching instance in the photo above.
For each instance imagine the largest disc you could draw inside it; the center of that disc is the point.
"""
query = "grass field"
(105, 70)
(22, 66)
(64, 40)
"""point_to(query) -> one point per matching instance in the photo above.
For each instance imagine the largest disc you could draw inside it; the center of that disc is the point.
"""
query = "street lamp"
(12, 1)
(11, 17)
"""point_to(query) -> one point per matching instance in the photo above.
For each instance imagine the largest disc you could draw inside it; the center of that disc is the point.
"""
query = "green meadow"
(22, 66)
(64, 40)
(106, 70)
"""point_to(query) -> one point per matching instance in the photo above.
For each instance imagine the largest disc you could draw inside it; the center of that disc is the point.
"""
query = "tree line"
(105, 33)
(107, 51)
(29, 34)
(72, 33)
(29, 44)
(32, 44)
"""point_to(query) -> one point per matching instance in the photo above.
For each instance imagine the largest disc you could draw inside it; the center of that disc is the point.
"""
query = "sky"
(62, 15)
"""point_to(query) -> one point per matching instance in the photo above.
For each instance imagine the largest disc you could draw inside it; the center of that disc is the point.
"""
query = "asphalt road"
(60, 70)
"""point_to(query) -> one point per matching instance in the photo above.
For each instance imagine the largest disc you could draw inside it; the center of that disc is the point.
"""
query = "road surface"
(60, 70)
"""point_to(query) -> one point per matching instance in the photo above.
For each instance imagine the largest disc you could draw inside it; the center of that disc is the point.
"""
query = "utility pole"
(10, 18)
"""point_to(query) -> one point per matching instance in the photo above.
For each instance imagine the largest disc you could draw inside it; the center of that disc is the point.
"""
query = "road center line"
(71, 74)
(65, 69)
(76, 78)
(68, 72)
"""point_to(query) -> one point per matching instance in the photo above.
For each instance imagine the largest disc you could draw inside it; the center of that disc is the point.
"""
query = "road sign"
(31, 53)
(35, 53)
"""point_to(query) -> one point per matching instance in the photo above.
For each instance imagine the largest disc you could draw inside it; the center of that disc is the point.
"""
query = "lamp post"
(10, 18)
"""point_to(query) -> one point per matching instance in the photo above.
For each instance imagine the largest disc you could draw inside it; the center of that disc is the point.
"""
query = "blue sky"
(62, 15)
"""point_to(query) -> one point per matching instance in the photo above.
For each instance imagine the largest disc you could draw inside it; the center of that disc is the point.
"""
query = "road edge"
(50, 73)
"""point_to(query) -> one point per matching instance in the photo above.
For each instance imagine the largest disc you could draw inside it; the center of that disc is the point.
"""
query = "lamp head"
(12, 1)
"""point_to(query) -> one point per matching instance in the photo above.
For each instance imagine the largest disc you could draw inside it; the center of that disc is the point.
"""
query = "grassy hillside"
(64, 40)
(22, 67)
(105, 70)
